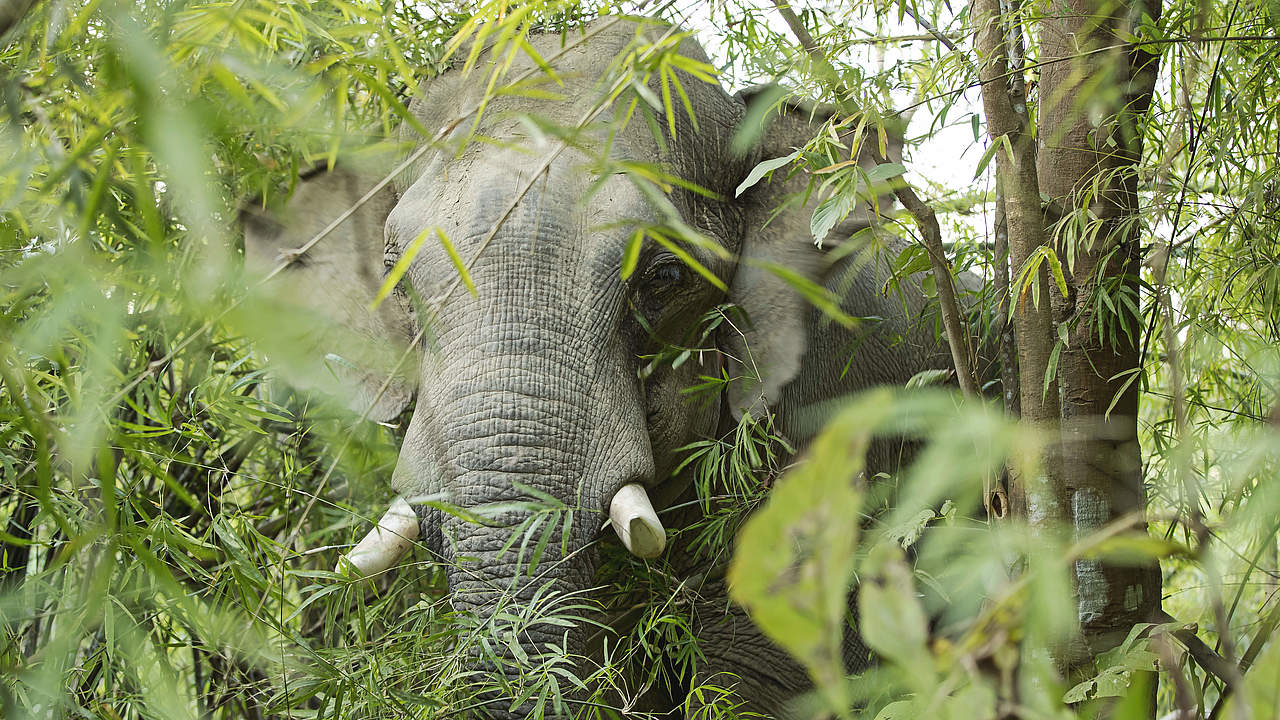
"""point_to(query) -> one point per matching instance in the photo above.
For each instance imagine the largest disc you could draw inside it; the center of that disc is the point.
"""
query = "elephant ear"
(319, 325)
(779, 251)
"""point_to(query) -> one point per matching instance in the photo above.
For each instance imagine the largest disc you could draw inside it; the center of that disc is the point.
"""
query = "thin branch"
(895, 39)
(933, 31)
(807, 43)
(956, 333)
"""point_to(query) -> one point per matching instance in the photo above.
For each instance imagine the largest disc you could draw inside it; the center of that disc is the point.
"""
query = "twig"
(951, 323)
(933, 31)
(895, 39)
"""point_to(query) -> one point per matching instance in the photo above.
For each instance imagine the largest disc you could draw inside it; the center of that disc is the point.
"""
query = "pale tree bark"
(1093, 102)
(1015, 158)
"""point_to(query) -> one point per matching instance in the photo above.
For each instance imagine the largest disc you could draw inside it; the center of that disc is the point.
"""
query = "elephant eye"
(665, 272)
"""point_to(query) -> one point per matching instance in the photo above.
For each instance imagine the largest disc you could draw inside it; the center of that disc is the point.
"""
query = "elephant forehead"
(504, 212)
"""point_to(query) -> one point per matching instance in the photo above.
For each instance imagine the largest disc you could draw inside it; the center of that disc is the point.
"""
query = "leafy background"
(169, 518)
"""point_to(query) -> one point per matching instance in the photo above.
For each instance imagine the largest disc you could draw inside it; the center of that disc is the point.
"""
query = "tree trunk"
(1092, 106)
(1089, 146)
(1010, 129)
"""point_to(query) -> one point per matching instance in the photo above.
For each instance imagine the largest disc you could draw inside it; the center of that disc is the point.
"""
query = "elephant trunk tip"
(383, 547)
(637, 525)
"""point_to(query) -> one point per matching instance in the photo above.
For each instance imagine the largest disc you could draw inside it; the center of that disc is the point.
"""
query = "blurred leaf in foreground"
(794, 563)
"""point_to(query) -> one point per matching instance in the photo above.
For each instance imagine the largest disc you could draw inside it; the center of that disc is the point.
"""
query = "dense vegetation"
(169, 519)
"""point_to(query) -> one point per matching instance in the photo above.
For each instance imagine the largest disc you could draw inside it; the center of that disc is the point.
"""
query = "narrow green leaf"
(1133, 374)
(1051, 369)
(685, 101)
(817, 295)
(690, 261)
(759, 171)
(667, 107)
(398, 270)
(458, 264)
(631, 255)
(1055, 268)
(884, 171)
(891, 620)
(983, 161)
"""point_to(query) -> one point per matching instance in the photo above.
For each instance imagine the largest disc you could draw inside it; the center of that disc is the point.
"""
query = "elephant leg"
(762, 679)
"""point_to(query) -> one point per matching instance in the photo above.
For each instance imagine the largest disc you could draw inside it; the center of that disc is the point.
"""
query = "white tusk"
(636, 523)
(385, 544)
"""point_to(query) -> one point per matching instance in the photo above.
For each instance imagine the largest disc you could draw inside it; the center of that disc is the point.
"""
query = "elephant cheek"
(676, 416)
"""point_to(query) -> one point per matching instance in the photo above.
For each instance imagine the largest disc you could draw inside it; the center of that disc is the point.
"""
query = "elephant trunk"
(533, 449)
(521, 588)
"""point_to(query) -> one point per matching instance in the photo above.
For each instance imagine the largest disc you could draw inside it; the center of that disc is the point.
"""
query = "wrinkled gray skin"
(533, 380)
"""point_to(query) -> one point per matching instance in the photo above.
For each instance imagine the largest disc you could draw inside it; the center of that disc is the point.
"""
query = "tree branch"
(933, 31)
(957, 337)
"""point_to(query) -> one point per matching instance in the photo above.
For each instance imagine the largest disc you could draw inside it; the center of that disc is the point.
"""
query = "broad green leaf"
(794, 560)
(899, 710)
(884, 171)
(935, 376)
(830, 212)
(889, 614)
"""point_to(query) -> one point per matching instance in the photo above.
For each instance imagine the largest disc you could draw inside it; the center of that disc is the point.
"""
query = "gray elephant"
(527, 367)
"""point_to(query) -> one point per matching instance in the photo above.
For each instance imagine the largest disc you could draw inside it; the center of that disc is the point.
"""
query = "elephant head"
(551, 237)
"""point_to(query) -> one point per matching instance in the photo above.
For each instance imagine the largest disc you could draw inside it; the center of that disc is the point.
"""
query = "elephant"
(540, 278)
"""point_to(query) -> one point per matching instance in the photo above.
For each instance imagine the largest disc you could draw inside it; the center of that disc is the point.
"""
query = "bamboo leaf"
(631, 255)
(458, 264)
(761, 169)
(830, 212)
(689, 260)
